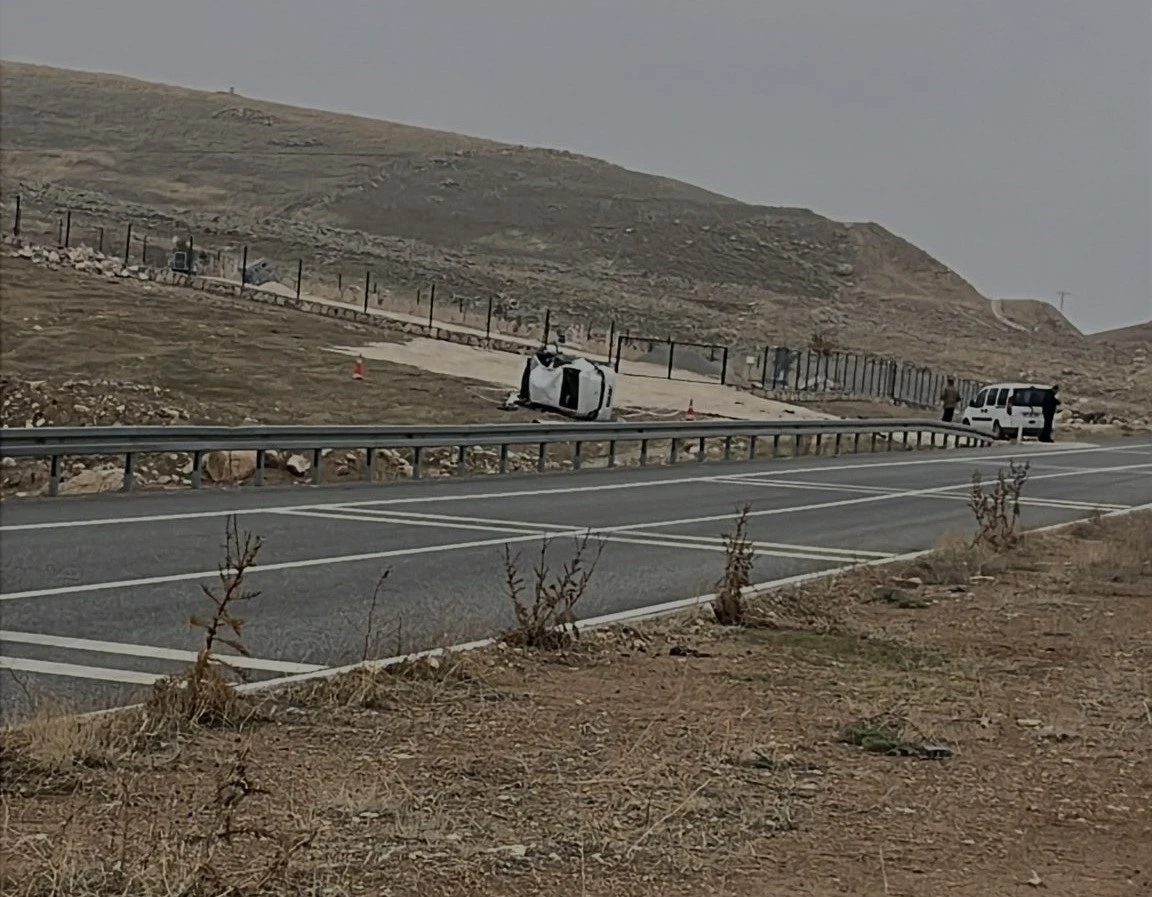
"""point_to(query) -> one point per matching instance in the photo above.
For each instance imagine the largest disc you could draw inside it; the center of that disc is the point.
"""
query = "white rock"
(297, 465)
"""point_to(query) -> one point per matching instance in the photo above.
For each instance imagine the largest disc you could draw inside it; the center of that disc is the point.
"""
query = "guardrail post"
(612, 453)
(891, 439)
(819, 444)
(752, 447)
(503, 457)
(674, 452)
(542, 457)
(317, 460)
(837, 449)
(702, 449)
(727, 448)
(905, 439)
(919, 439)
(577, 455)
(856, 443)
(197, 464)
(258, 477)
(462, 461)
(417, 462)
(370, 464)
(54, 475)
(643, 452)
(873, 441)
(129, 472)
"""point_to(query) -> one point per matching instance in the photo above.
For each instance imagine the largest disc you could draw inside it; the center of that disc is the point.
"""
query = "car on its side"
(1002, 409)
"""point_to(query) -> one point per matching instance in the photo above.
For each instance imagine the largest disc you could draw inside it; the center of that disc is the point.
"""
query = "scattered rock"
(229, 467)
(101, 479)
(298, 465)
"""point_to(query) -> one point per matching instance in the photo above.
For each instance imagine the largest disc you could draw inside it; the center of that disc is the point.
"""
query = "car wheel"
(997, 431)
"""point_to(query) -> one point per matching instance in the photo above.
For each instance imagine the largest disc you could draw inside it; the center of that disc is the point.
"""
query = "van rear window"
(1032, 397)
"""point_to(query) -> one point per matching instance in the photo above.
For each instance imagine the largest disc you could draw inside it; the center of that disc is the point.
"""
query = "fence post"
(367, 287)
(244, 266)
(619, 350)
(611, 341)
(128, 243)
(68, 230)
(724, 367)
(431, 305)
(100, 247)
(340, 283)
(144, 250)
(488, 321)
(764, 370)
(671, 355)
(16, 224)
(299, 274)
(60, 233)
(547, 325)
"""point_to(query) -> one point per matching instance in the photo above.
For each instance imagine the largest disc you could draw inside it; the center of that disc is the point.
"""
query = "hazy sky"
(1010, 138)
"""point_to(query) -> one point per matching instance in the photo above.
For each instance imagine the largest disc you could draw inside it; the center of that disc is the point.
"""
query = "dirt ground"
(981, 729)
(223, 363)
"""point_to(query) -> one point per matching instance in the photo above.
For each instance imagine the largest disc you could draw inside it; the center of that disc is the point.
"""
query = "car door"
(998, 408)
(978, 415)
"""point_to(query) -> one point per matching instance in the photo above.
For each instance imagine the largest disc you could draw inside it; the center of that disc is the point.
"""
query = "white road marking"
(483, 543)
(548, 531)
(886, 490)
(76, 671)
(149, 651)
(962, 458)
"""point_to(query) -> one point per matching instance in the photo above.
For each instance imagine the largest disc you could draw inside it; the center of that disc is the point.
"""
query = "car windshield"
(1032, 396)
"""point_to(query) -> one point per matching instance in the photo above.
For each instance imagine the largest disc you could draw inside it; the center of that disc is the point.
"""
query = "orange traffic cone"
(691, 415)
(358, 368)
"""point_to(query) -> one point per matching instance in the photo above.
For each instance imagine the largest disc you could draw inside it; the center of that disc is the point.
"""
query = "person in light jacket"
(950, 398)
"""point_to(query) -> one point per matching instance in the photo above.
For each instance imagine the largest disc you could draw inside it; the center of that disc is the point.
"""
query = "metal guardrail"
(55, 443)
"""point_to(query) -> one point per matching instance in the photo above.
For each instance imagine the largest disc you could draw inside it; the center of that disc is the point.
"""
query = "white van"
(1003, 408)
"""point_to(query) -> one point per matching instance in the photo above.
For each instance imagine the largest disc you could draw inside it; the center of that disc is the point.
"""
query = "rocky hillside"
(543, 228)
(1136, 335)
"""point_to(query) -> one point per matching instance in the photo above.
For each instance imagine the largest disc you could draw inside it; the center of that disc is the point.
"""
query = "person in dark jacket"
(1048, 408)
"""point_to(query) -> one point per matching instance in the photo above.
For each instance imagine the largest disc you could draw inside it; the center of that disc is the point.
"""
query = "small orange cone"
(358, 368)
(691, 415)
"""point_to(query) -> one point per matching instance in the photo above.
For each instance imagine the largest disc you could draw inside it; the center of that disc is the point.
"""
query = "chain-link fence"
(264, 265)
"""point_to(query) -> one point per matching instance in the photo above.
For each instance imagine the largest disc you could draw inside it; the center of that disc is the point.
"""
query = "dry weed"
(729, 605)
(204, 694)
(998, 513)
(547, 621)
(57, 741)
(423, 679)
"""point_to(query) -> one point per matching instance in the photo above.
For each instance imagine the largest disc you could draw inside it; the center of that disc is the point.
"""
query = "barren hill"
(543, 228)
(1137, 335)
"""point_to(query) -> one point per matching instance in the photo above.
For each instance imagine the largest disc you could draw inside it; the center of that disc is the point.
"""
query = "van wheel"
(997, 432)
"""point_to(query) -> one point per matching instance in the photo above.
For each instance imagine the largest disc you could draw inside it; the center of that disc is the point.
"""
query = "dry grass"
(545, 605)
(729, 606)
(664, 759)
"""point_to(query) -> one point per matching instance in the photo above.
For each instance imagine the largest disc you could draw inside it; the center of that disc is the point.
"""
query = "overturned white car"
(568, 384)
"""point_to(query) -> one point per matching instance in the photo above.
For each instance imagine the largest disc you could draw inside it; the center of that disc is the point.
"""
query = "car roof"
(1016, 386)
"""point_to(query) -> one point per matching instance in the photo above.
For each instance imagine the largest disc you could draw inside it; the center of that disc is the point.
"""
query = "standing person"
(1049, 406)
(950, 398)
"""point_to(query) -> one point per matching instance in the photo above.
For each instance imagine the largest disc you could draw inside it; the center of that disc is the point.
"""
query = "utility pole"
(1062, 294)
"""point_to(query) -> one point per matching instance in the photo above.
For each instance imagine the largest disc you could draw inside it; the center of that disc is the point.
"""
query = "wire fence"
(779, 370)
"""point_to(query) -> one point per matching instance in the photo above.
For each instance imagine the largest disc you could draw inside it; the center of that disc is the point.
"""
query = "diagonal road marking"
(77, 671)
(148, 651)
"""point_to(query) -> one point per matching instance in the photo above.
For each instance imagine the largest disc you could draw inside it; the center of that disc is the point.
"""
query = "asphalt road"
(96, 592)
